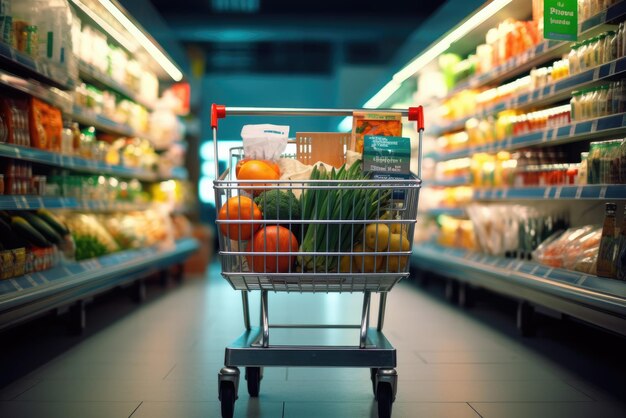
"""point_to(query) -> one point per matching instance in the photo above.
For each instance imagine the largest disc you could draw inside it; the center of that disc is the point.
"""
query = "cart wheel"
(253, 376)
(373, 372)
(384, 395)
(227, 397)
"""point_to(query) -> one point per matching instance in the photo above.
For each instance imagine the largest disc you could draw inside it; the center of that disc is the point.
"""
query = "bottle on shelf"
(606, 266)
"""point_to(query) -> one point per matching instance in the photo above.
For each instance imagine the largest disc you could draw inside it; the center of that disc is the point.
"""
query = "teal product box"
(388, 158)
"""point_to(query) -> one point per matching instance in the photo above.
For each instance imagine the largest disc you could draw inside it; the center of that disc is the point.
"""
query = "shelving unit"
(71, 284)
(43, 72)
(542, 52)
(74, 163)
(93, 75)
(27, 202)
(597, 300)
(549, 94)
(588, 192)
(52, 95)
(37, 293)
(593, 299)
(604, 127)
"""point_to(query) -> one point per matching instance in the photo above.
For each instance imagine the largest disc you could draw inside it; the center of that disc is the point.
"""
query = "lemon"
(366, 263)
(398, 242)
(377, 236)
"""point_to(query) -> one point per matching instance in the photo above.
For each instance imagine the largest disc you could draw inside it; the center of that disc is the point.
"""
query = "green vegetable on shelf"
(88, 246)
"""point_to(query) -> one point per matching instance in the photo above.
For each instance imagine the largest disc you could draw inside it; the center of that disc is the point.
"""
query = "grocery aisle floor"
(161, 360)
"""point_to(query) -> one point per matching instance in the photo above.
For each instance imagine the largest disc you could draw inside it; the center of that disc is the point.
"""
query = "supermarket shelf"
(540, 53)
(550, 94)
(22, 64)
(26, 202)
(93, 75)
(594, 299)
(606, 126)
(450, 182)
(87, 117)
(104, 124)
(457, 212)
(588, 192)
(15, 202)
(74, 163)
(37, 293)
(49, 95)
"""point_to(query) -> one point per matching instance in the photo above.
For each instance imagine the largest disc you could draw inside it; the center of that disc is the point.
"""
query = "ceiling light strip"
(121, 39)
(148, 45)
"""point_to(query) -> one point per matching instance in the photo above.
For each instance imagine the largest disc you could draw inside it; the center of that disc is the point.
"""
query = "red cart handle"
(417, 114)
(217, 112)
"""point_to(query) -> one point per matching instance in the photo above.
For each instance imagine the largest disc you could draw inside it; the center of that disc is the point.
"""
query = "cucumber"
(53, 221)
(23, 229)
(42, 227)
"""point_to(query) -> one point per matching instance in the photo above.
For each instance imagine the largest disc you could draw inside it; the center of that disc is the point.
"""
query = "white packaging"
(265, 141)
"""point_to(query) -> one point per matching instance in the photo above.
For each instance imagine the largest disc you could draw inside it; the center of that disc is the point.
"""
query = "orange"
(239, 208)
(257, 170)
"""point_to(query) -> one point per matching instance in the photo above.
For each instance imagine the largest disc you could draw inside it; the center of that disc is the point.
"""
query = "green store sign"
(560, 20)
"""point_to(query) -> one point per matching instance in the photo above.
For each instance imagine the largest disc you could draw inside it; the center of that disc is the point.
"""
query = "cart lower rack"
(347, 232)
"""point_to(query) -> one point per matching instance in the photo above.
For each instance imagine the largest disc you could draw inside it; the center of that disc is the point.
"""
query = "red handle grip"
(417, 114)
(217, 112)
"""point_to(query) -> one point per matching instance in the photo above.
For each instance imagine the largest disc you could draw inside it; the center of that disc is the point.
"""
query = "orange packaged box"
(373, 123)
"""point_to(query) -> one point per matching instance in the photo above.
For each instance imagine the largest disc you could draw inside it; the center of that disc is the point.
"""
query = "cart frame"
(252, 349)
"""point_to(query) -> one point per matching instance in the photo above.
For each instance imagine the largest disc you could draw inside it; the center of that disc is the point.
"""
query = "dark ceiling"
(293, 36)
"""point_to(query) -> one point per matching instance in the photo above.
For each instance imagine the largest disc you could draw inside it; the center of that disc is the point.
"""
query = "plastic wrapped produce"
(574, 249)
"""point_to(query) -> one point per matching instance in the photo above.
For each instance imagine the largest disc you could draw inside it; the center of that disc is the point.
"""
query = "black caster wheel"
(253, 376)
(227, 398)
(373, 372)
(384, 395)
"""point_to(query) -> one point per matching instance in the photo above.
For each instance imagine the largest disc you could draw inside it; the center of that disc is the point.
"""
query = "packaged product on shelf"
(15, 120)
(513, 230)
(6, 22)
(573, 249)
(17, 177)
(607, 253)
(605, 162)
(91, 238)
(457, 233)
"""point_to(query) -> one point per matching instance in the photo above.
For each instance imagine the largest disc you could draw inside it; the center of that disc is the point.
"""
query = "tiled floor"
(162, 359)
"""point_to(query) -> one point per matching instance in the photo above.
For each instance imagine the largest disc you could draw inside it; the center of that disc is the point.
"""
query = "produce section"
(87, 202)
(526, 149)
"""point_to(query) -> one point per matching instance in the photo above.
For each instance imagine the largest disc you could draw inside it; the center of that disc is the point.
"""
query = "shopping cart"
(336, 263)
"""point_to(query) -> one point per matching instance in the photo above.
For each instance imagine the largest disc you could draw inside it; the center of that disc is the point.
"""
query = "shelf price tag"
(560, 20)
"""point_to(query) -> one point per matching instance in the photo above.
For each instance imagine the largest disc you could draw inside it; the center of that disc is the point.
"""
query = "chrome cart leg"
(265, 323)
(246, 309)
(386, 389)
(365, 318)
(381, 311)
(228, 384)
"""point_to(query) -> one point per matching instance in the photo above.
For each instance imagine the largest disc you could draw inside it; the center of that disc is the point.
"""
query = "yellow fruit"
(398, 242)
(377, 236)
(395, 263)
(397, 228)
(366, 263)
(345, 264)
